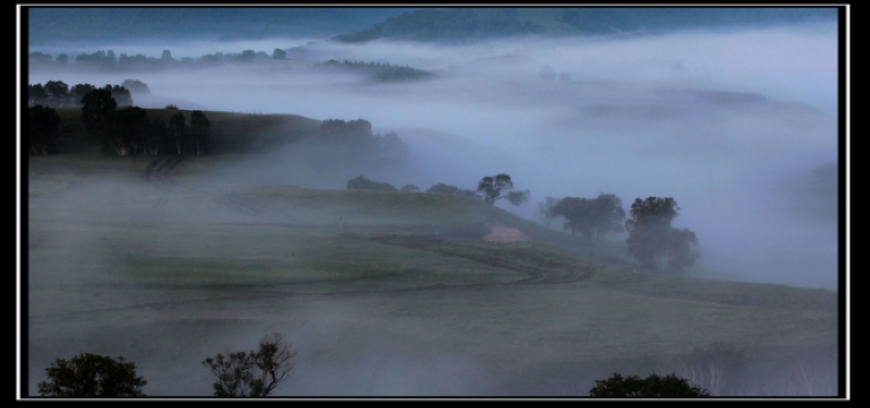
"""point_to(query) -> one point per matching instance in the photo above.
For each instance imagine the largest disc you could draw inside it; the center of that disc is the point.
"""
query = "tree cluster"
(128, 130)
(492, 187)
(90, 375)
(442, 188)
(651, 235)
(376, 70)
(591, 217)
(57, 94)
(44, 129)
(254, 373)
(653, 386)
(362, 183)
(495, 188)
(353, 142)
(107, 61)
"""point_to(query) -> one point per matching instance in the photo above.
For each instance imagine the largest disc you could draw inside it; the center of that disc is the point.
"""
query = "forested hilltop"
(468, 24)
(48, 24)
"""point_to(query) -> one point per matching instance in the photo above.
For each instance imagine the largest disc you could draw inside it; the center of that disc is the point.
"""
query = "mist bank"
(730, 124)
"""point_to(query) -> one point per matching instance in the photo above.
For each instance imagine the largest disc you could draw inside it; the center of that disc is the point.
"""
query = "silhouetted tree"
(57, 94)
(679, 251)
(279, 54)
(492, 188)
(95, 104)
(78, 92)
(125, 130)
(591, 217)
(122, 95)
(136, 86)
(200, 131)
(255, 373)
(36, 95)
(362, 183)
(651, 235)
(545, 209)
(44, 128)
(337, 131)
(651, 387)
(91, 375)
(157, 136)
(393, 149)
(442, 188)
(178, 132)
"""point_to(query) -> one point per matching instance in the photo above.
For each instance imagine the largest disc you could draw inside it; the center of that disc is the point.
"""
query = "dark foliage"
(381, 71)
(200, 131)
(362, 183)
(653, 386)
(651, 235)
(442, 188)
(125, 130)
(91, 375)
(122, 95)
(95, 104)
(136, 86)
(178, 132)
(591, 217)
(44, 129)
(352, 142)
(255, 373)
(492, 187)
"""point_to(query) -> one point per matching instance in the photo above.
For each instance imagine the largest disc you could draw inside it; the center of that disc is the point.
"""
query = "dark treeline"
(108, 61)
(353, 143)
(376, 70)
(126, 131)
(57, 94)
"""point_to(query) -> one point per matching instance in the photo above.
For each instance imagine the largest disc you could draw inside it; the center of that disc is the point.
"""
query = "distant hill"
(468, 24)
(49, 24)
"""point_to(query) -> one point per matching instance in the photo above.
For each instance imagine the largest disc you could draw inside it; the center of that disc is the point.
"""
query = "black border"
(844, 170)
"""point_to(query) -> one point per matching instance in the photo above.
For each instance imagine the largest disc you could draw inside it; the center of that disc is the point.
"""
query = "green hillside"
(158, 260)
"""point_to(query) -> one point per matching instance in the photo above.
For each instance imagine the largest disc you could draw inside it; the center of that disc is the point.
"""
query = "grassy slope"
(132, 259)
(379, 212)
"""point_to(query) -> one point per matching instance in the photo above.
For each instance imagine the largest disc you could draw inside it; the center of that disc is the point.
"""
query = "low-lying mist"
(734, 125)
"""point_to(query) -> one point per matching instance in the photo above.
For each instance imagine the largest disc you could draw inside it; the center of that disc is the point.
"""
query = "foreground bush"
(252, 374)
(92, 375)
(652, 386)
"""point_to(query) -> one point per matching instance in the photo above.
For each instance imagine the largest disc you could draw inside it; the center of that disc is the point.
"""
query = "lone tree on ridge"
(492, 187)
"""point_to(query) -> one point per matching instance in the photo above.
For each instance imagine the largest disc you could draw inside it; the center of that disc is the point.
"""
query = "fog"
(729, 123)
(739, 126)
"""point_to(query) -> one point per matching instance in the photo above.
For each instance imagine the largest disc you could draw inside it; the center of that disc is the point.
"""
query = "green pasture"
(400, 297)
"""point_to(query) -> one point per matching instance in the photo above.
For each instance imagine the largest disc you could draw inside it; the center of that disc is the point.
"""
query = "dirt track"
(541, 272)
(538, 271)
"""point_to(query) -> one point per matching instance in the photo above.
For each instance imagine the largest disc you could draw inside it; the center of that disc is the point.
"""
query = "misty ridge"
(306, 204)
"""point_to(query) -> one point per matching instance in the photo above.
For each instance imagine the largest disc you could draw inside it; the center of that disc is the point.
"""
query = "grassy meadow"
(381, 293)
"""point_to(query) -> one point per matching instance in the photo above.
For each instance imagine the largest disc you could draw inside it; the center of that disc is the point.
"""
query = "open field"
(153, 260)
